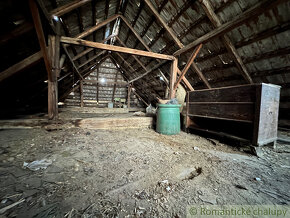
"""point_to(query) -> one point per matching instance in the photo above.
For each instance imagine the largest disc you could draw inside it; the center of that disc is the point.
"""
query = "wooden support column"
(129, 96)
(81, 93)
(173, 73)
(50, 63)
(114, 89)
(98, 84)
(52, 81)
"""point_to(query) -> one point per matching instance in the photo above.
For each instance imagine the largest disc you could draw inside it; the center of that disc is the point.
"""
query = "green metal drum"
(168, 119)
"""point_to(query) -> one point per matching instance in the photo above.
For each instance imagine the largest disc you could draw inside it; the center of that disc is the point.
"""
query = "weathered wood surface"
(266, 120)
(257, 104)
(244, 93)
(98, 45)
(116, 123)
(21, 65)
(254, 11)
(236, 112)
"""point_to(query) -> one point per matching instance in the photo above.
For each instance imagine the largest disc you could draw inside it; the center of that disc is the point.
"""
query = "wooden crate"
(247, 111)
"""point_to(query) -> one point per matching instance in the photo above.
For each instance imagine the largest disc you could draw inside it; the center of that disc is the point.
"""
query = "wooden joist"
(254, 11)
(21, 65)
(81, 42)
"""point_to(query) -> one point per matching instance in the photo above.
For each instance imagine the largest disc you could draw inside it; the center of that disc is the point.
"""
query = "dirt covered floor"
(132, 173)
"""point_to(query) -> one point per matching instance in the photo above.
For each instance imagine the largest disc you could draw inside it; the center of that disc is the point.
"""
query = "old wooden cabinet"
(248, 112)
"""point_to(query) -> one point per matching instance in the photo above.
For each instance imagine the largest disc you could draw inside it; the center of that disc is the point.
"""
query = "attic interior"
(143, 108)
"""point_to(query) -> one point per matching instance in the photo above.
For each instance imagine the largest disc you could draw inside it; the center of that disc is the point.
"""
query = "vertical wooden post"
(98, 83)
(52, 80)
(129, 96)
(81, 93)
(173, 73)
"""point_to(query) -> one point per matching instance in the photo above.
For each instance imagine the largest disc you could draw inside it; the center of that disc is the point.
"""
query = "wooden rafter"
(21, 65)
(179, 44)
(91, 67)
(91, 59)
(120, 68)
(132, 70)
(68, 7)
(164, 24)
(151, 21)
(97, 26)
(188, 64)
(148, 49)
(228, 43)
(40, 36)
(254, 11)
(74, 66)
(81, 42)
(135, 19)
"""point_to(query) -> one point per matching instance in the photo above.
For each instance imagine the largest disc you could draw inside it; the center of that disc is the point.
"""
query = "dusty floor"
(132, 173)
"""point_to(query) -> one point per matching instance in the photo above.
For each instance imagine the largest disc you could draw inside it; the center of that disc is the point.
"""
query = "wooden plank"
(40, 36)
(81, 42)
(173, 74)
(254, 11)
(68, 7)
(243, 93)
(21, 65)
(208, 8)
(116, 123)
(266, 114)
(243, 112)
(188, 64)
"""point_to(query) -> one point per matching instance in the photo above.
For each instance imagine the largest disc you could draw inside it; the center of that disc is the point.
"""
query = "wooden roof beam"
(254, 11)
(207, 7)
(60, 11)
(188, 64)
(91, 59)
(81, 42)
(97, 26)
(180, 45)
(21, 65)
(41, 37)
(164, 24)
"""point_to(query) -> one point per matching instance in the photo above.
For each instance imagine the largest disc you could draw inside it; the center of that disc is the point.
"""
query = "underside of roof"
(242, 42)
